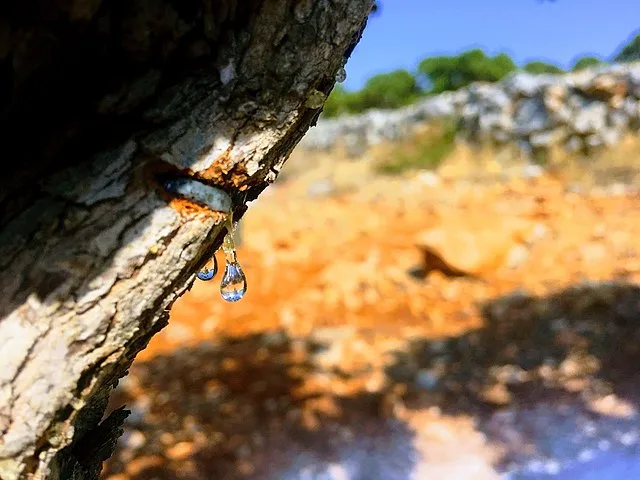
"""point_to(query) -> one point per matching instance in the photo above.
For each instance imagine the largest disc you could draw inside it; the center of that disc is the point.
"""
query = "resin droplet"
(315, 99)
(341, 75)
(234, 284)
(208, 273)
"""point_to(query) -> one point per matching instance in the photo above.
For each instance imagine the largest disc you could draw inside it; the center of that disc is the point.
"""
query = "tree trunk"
(99, 101)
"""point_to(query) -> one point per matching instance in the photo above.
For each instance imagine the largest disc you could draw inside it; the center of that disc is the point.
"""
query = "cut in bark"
(99, 101)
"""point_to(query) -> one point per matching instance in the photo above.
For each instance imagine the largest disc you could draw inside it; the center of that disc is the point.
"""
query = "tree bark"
(100, 100)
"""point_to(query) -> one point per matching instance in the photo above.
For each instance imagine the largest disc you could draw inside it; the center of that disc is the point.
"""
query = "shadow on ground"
(554, 380)
(236, 408)
(552, 383)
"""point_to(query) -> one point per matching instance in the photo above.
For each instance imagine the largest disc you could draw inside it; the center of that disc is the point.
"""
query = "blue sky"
(407, 31)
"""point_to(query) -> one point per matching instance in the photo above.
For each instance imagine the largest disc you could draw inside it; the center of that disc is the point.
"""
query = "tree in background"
(444, 73)
(630, 52)
(340, 102)
(538, 67)
(586, 62)
(447, 73)
(389, 90)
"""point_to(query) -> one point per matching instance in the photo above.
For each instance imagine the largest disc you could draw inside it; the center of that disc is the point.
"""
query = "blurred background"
(442, 282)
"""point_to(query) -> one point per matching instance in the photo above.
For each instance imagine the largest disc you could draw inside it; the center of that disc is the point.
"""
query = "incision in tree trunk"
(100, 101)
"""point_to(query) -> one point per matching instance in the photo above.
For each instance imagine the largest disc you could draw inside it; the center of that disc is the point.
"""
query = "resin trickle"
(234, 284)
(315, 99)
(195, 191)
(208, 273)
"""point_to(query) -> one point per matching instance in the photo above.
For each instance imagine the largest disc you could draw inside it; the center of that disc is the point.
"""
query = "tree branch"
(101, 101)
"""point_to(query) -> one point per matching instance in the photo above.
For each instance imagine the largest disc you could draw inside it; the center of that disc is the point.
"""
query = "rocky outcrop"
(579, 111)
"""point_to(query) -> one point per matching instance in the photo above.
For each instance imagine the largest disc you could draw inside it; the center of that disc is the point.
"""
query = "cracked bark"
(97, 100)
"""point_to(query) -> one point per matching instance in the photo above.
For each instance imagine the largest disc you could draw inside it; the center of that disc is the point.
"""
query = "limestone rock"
(521, 105)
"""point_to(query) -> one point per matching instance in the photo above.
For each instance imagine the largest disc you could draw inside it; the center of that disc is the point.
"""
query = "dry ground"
(424, 327)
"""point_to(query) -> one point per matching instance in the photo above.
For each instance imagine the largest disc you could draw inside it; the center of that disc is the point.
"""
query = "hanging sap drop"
(341, 75)
(315, 99)
(234, 283)
(208, 273)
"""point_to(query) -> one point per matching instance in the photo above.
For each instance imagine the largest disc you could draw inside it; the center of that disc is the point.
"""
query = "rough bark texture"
(98, 99)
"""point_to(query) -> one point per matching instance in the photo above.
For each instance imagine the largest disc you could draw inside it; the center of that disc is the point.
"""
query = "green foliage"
(538, 67)
(387, 90)
(339, 102)
(446, 73)
(424, 152)
(630, 52)
(439, 74)
(586, 62)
